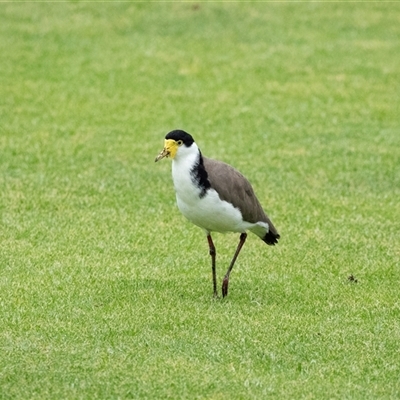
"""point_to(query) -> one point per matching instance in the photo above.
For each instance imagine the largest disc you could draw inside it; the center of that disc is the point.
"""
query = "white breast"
(208, 212)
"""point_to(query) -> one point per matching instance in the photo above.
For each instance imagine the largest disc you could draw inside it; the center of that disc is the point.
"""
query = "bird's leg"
(213, 254)
(225, 282)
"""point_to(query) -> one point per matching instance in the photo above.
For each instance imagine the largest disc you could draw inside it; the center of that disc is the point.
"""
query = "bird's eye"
(180, 142)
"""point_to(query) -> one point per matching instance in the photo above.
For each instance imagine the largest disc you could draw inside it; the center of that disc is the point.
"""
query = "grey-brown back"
(234, 188)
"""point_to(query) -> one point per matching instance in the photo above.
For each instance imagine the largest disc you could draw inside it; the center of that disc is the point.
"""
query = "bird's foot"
(225, 284)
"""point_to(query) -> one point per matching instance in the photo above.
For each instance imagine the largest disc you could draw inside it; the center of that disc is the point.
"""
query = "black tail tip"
(271, 238)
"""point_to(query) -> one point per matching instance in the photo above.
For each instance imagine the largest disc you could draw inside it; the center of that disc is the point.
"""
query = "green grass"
(105, 289)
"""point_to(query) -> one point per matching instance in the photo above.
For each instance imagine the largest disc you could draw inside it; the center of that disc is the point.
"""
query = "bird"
(216, 197)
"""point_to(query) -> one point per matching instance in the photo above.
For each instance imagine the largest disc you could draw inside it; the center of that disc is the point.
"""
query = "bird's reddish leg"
(213, 254)
(225, 282)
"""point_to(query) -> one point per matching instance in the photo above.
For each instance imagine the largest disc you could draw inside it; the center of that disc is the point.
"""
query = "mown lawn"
(105, 289)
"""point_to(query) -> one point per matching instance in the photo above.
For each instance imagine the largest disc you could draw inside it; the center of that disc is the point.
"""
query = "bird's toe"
(225, 284)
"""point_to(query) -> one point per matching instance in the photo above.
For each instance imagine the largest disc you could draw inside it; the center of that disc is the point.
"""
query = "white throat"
(182, 164)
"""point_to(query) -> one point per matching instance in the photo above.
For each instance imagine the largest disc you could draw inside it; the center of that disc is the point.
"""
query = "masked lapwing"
(215, 196)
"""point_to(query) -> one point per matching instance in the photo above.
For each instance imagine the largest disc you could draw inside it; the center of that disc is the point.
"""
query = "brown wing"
(233, 187)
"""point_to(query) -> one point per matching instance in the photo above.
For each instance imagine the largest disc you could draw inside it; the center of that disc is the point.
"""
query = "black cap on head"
(180, 135)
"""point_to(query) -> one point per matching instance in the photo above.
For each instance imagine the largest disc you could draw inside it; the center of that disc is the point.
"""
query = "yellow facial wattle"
(169, 150)
(171, 146)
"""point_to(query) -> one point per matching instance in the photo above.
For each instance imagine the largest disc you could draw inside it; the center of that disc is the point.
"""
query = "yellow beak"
(163, 153)
(169, 150)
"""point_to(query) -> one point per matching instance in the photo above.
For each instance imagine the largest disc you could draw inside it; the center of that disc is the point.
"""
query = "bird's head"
(173, 141)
